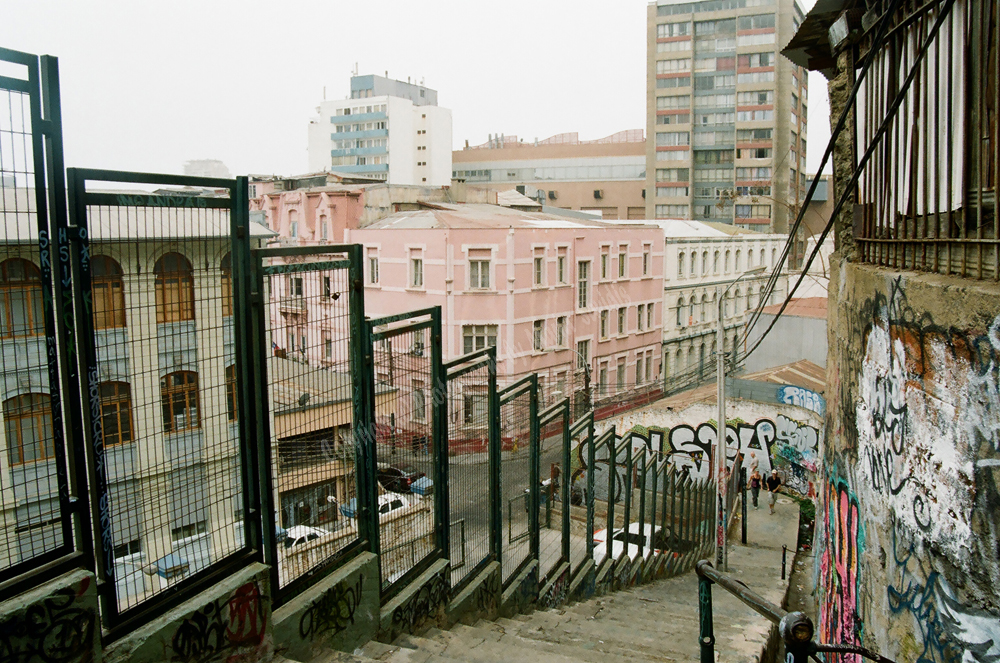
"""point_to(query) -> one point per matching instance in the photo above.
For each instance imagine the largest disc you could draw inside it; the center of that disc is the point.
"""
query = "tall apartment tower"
(389, 130)
(726, 113)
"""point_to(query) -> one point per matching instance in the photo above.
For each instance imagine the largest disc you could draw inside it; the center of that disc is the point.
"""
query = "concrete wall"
(909, 524)
(792, 338)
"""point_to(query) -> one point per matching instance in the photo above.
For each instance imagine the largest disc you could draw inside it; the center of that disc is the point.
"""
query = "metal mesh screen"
(163, 338)
(313, 467)
(515, 482)
(468, 470)
(550, 513)
(576, 473)
(31, 518)
(404, 414)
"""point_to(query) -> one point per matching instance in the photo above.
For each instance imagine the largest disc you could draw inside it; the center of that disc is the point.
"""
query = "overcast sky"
(148, 85)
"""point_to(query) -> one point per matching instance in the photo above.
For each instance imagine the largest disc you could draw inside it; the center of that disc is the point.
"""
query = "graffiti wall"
(775, 441)
(910, 540)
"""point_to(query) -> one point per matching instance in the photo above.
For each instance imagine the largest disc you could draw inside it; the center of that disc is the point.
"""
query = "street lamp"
(721, 551)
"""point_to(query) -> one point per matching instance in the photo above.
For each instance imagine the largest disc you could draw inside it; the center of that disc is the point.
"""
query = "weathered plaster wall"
(910, 510)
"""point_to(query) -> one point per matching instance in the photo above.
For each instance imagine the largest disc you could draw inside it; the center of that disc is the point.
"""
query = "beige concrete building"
(607, 175)
(726, 113)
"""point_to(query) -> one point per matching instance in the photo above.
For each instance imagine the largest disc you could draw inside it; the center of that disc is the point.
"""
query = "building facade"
(607, 175)
(908, 522)
(700, 258)
(387, 130)
(726, 113)
(577, 301)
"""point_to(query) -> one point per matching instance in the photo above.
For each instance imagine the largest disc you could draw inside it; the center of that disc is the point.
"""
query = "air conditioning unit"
(598, 193)
(552, 195)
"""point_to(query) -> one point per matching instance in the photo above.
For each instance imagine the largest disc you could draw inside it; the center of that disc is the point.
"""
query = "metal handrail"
(795, 628)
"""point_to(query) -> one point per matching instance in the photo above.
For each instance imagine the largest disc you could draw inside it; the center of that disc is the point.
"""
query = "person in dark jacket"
(755, 482)
(773, 485)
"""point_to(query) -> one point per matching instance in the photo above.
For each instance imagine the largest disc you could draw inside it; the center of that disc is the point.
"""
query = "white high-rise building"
(387, 130)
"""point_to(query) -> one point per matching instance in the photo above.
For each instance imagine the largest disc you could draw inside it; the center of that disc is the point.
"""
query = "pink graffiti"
(839, 620)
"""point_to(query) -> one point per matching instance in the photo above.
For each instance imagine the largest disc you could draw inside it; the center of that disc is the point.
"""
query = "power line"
(883, 127)
(841, 121)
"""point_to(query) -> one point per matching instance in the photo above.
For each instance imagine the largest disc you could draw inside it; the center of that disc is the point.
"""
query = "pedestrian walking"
(755, 482)
(773, 484)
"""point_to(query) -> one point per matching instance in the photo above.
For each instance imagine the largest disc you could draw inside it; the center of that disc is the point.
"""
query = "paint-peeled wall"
(910, 508)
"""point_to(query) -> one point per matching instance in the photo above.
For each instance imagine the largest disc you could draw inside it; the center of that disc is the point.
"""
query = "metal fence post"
(612, 484)
(439, 434)
(590, 486)
(566, 478)
(642, 500)
(627, 509)
(534, 470)
(743, 505)
(706, 636)
(496, 494)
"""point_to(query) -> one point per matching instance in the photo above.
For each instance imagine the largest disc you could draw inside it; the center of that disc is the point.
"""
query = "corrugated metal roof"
(456, 215)
(803, 307)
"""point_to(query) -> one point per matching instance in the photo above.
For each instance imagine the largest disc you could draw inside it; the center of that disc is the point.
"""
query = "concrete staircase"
(654, 622)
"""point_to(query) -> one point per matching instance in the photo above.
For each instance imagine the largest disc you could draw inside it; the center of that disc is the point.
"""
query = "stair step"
(434, 641)
(333, 656)
(376, 650)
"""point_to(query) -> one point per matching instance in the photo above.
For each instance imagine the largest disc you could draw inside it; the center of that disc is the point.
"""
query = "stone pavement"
(654, 622)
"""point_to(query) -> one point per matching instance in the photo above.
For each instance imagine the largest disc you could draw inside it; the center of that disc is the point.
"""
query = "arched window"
(774, 257)
(174, 286)
(179, 396)
(680, 265)
(108, 293)
(231, 391)
(763, 256)
(680, 312)
(694, 264)
(704, 305)
(226, 266)
(725, 307)
(750, 298)
(116, 412)
(737, 260)
(293, 223)
(728, 256)
(21, 293)
(749, 258)
(28, 423)
(691, 306)
(704, 262)
(736, 302)
(715, 263)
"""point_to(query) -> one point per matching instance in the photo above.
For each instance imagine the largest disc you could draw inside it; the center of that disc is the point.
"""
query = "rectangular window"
(604, 324)
(327, 345)
(673, 175)
(754, 153)
(672, 212)
(327, 288)
(674, 46)
(479, 274)
(664, 30)
(670, 83)
(622, 312)
(418, 401)
(671, 66)
(605, 259)
(295, 286)
(561, 331)
(582, 355)
(538, 335)
(672, 191)
(638, 369)
(755, 77)
(713, 156)
(673, 138)
(187, 531)
(640, 319)
(756, 134)
(677, 118)
(645, 261)
(649, 315)
(561, 266)
(539, 269)
(673, 155)
(478, 337)
(583, 283)
(762, 173)
(756, 22)
(753, 60)
(673, 103)
(372, 269)
(758, 98)
(622, 262)
(602, 380)
(416, 272)
(754, 116)
(620, 377)
(756, 40)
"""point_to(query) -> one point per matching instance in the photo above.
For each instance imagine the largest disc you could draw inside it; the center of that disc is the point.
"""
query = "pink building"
(569, 298)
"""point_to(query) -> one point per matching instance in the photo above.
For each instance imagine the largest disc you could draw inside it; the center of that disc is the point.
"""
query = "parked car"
(629, 541)
(404, 479)
(302, 534)
(387, 503)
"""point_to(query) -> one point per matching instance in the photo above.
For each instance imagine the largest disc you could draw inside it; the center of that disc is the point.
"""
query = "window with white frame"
(479, 274)
(622, 262)
(583, 283)
(649, 315)
(583, 355)
(622, 315)
(561, 331)
(640, 317)
(605, 259)
(561, 265)
(539, 270)
(538, 335)
(478, 337)
(372, 266)
(645, 260)
(638, 368)
(604, 324)
(416, 270)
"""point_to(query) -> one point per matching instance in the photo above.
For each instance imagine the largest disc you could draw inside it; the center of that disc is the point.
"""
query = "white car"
(302, 534)
(630, 541)
(387, 503)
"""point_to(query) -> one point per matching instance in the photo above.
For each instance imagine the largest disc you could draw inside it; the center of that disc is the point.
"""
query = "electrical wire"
(841, 121)
(883, 127)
